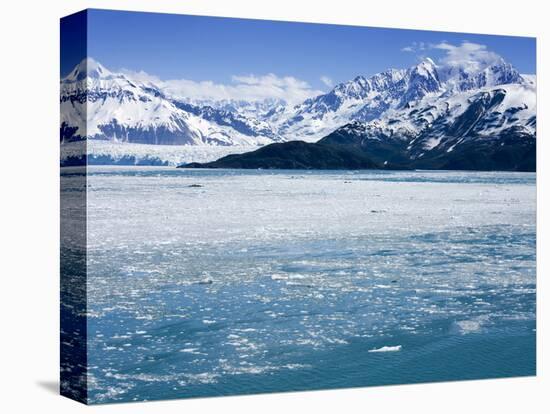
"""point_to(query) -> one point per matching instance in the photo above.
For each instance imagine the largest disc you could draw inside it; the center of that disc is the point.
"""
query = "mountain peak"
(429, 61)
(504, 72)
(88, 67)
(426, 68)
(421, 79)
(482, 74)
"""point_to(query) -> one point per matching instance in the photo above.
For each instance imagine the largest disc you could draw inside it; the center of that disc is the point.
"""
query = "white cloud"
(245, 87)
(140, 76)
(468, 56)
(327, 81)
(415, 47)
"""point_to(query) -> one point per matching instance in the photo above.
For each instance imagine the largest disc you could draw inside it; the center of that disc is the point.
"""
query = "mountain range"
(425, 116)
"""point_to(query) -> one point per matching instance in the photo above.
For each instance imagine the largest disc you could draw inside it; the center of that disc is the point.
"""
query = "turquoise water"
(205, 283)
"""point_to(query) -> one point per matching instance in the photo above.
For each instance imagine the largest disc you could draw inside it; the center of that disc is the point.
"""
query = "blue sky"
(219, 49)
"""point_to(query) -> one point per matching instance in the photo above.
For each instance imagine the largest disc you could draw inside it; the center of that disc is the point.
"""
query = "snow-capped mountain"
(399, 115)
(99, 104)
(487, 128)
(368, 99)
(257, 109)
(359, 99)
(459, 79)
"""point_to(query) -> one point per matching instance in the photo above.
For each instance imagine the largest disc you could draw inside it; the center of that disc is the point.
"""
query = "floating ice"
(387, 349)
(262, 238)
(472, 325)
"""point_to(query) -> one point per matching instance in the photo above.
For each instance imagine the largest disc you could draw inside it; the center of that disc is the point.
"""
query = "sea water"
(218, 282)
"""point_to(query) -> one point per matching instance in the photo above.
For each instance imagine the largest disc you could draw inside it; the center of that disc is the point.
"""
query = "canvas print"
(252, 206)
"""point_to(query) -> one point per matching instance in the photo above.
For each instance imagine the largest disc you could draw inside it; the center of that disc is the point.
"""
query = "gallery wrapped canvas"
(255, 206)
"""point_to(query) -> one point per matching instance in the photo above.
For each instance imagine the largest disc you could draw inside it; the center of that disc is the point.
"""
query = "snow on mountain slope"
(369, 99)
(409, 112)
(458, 78)
(488, 128)
(518, 100)
(110, 106)
(360, 99)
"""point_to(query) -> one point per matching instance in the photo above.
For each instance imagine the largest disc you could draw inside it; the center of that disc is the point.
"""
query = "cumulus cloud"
(243, 87)
(327, 81)
(468, 56)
